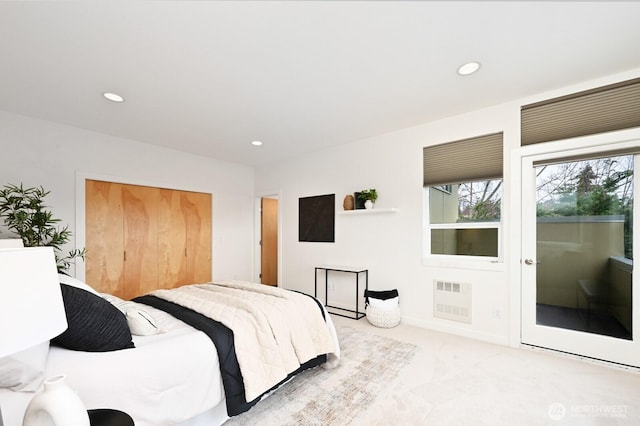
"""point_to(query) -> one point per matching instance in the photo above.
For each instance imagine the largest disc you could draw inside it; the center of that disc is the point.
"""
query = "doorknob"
(529, 262)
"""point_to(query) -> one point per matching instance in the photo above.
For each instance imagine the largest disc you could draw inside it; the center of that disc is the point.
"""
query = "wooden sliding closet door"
(104, 266)
(172, 257)
(143, 238)
(140, 207)
(198, 218)
(184, 234)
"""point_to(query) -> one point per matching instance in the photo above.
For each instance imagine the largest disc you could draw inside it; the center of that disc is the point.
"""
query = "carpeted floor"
(437, 379)
(369, 364)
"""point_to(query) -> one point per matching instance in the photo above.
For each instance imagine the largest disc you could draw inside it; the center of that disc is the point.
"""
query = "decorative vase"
(348, 202)
(56, 405)
(368, 204)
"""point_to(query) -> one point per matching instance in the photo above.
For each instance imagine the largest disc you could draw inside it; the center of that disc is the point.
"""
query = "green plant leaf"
(23, 212)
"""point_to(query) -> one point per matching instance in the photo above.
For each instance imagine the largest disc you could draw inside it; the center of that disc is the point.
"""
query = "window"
(593, 191)
(444, 188)
(465, 221)
(463, 198)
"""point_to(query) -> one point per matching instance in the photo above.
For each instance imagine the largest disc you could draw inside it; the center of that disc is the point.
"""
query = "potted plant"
(25, 214)
(369, 196)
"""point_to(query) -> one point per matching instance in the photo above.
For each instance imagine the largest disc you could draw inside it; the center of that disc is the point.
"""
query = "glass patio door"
(577, 253)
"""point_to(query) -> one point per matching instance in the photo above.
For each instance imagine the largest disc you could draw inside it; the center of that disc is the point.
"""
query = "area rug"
(369, 364)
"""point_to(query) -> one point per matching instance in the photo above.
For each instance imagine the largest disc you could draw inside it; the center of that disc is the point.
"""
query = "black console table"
(356, 271)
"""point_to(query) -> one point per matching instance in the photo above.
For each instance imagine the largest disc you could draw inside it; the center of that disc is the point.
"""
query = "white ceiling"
(210, 77)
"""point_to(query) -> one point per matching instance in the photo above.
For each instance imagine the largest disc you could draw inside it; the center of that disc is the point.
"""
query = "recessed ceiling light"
(469, 68)
(113, 97)
(256, 143)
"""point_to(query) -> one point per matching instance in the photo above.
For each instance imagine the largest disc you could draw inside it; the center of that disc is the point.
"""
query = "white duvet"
(275, 330)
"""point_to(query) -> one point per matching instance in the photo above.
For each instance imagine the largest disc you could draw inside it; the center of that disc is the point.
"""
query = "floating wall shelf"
(365, 211)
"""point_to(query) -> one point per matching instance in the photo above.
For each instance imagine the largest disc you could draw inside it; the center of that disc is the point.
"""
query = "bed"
(174, 375)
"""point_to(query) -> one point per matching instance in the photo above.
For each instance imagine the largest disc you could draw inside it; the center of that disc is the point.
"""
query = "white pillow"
(141, 322)
(24, 371)
(386, 305)
(66, 279)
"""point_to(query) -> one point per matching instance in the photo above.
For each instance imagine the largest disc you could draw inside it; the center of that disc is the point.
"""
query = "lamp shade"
(11, 243)
(31, 307)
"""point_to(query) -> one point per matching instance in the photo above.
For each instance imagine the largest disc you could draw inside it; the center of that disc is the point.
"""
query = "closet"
(141, 238)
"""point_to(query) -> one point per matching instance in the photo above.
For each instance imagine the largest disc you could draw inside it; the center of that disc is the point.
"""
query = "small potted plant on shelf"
(369, 196)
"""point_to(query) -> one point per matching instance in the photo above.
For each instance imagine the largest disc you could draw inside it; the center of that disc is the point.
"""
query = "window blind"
(604, 109)
(465, 160)
(584, 157)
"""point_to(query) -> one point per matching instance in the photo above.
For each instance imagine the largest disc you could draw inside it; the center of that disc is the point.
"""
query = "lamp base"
(56, 405)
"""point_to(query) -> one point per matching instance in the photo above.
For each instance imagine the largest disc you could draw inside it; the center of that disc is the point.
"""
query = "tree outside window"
(465, 221)
(594, 187)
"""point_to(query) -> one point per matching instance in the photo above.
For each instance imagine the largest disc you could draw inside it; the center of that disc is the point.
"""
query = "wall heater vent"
(452, 301)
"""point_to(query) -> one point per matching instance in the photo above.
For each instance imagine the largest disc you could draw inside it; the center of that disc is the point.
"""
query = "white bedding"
(166, 380)
(273, 331)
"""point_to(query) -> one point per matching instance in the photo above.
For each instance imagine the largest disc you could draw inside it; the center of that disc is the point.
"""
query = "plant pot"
(368, 204)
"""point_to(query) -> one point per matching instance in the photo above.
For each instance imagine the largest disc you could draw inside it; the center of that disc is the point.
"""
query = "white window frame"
(461, 261)
(443, 188)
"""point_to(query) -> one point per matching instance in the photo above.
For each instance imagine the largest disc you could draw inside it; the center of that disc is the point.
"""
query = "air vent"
(452, 301)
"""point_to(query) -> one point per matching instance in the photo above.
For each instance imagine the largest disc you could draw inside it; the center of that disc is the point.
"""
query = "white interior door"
(577, 275)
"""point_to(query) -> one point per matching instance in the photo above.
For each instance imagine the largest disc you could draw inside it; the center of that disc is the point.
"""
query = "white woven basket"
(384, 318)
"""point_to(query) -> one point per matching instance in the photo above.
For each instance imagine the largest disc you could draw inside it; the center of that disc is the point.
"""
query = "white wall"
(391, 245)
(59, 157)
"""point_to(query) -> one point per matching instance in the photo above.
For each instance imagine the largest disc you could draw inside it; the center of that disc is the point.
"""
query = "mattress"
(167, 379)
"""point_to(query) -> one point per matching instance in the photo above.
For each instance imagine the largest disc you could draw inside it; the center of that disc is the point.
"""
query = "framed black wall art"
(317, 218)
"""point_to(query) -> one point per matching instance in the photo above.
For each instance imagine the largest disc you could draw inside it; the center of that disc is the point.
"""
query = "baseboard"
(458, 331)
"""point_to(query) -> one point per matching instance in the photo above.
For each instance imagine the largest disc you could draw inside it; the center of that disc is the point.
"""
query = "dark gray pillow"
(95, 325)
